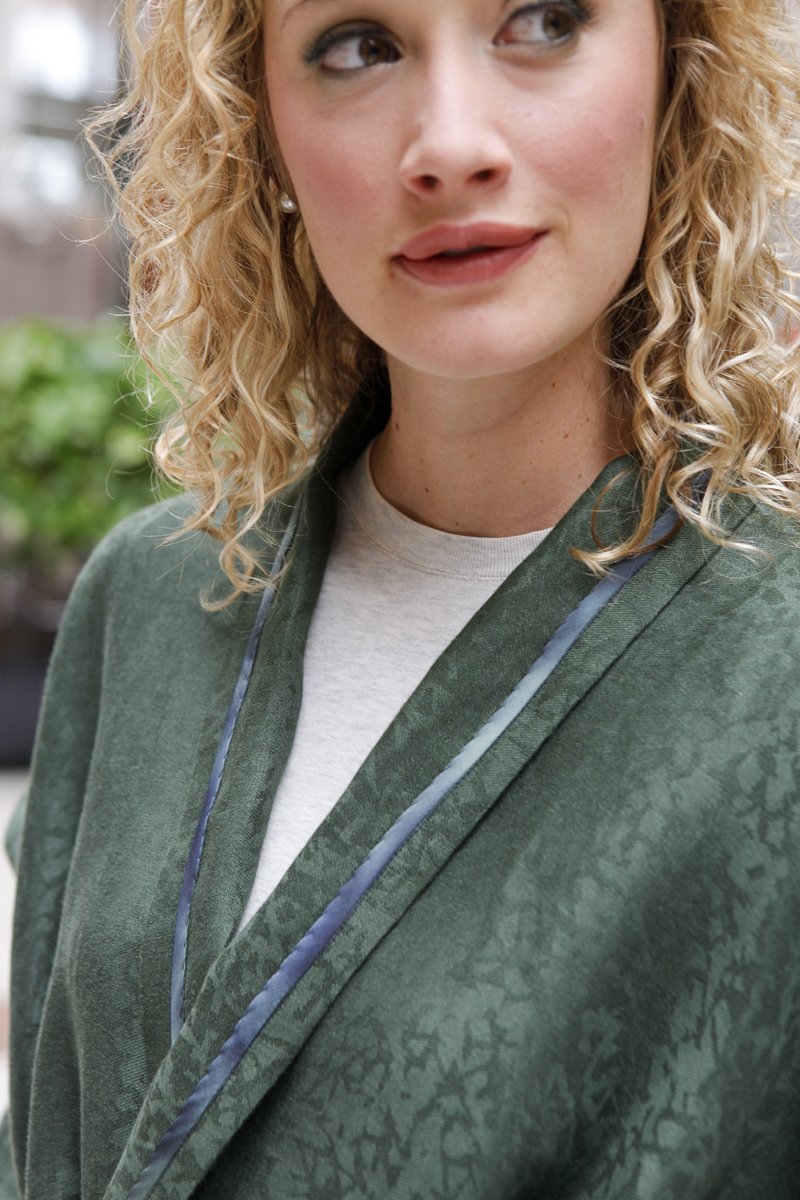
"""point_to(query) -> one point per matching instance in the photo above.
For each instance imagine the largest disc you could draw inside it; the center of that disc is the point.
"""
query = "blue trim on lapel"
(180, 940)
(298, 962)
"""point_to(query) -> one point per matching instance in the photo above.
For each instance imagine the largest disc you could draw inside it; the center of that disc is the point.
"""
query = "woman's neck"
(494, 458)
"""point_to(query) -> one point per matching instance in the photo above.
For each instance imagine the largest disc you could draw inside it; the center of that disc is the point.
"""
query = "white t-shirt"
(394, 595)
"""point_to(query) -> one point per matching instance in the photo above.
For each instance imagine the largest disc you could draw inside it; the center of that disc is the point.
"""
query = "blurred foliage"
(75, 434)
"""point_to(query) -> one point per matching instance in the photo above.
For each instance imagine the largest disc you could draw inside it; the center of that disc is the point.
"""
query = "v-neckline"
(466, 683)
(494, 649)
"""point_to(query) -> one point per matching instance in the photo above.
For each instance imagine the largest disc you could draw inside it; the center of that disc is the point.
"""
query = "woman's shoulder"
(134, 586)
(149, 557)
(765, 551)
(135, 537)
(747, 595)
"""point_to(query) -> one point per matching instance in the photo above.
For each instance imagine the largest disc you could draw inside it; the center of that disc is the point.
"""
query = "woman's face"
(473, 176)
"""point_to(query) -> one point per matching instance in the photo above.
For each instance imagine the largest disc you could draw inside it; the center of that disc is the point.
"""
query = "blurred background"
(74, 434)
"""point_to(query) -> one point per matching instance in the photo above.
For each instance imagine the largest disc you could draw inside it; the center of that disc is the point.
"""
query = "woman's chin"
(467, 355)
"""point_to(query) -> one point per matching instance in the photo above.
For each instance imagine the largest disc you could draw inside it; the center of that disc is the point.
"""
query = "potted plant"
(75, 440)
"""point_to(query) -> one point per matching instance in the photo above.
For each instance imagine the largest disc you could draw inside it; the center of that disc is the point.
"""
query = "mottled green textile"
(579, 980)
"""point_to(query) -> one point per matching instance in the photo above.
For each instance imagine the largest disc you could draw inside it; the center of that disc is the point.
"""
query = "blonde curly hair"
(227, 302)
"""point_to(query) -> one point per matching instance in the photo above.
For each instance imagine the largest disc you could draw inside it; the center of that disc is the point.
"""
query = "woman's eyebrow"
(301, 4)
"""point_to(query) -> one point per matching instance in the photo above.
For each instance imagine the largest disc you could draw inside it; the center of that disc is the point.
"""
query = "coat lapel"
(464, 687)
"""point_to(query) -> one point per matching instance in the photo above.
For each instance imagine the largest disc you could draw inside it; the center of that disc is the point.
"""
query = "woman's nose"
(454, 143)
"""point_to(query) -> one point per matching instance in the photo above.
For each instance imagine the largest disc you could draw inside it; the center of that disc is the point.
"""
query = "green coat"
(578, 980)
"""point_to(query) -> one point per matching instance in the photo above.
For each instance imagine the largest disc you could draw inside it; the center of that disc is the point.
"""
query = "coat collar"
(463, 688)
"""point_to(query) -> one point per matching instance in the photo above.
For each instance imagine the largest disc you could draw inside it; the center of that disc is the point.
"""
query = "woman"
(448, 848)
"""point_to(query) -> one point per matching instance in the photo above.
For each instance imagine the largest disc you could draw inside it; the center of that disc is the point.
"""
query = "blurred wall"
(51, 270)
(58, 257)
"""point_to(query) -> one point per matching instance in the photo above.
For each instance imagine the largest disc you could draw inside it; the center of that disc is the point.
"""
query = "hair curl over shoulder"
(226, 298)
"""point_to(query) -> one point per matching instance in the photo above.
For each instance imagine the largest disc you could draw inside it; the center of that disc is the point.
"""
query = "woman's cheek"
(590, 162)
(337, 192)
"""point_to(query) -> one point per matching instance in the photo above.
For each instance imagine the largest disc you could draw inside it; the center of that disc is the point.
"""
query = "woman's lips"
(452, 255)
(475, 267)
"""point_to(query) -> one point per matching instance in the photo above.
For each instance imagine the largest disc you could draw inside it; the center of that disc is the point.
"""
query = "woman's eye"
(546, 24)
(352, 50)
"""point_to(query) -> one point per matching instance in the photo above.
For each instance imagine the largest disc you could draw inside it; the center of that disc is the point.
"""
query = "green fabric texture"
(578, 980)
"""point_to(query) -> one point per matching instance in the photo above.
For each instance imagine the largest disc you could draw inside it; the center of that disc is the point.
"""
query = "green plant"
(75, 437)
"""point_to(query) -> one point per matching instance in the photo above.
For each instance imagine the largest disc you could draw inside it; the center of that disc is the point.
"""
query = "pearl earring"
(286, 203)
